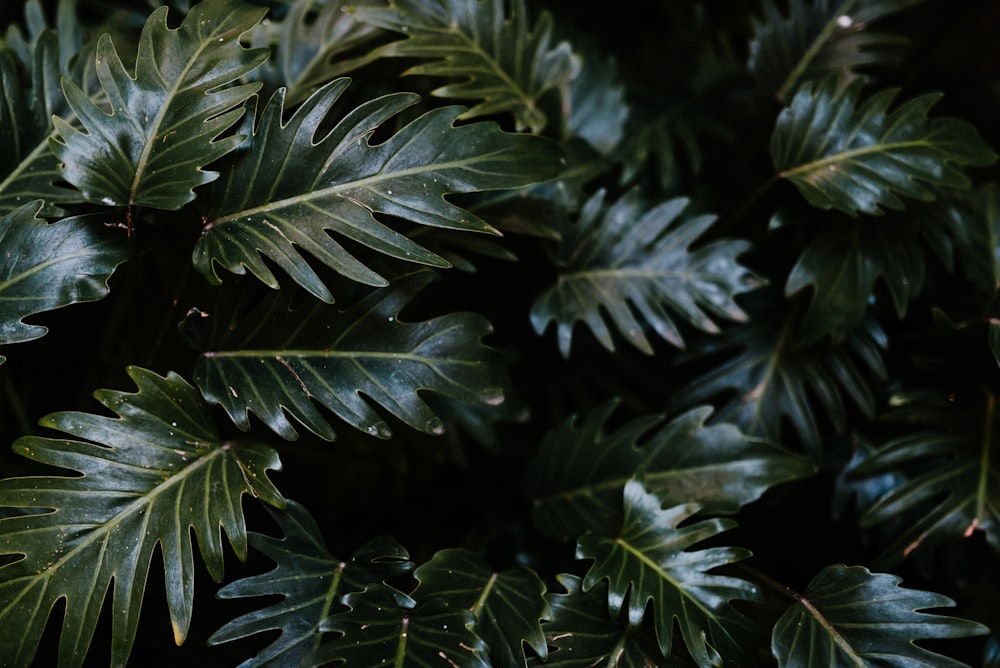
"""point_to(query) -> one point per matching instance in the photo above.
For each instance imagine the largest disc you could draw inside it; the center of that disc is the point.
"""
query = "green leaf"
(648, 561)
(508, 606)
(146, 477)
(953, 488)
(280, 358)
(820, 37)
(582, 635)
(311, 583)
(850, 616)
(289, 186)
(165, 122)
(598, 110)
(491, 53)
(623, 261)
(575, 480)
(45, 267)
(861, 158)
(386, 627)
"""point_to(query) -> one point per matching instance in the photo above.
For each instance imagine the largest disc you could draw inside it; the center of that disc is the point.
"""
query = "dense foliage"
(499, 333)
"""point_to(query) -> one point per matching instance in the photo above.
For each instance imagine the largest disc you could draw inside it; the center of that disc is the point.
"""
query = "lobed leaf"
(850, 616)
(492, 54)
(145, 477)
(623, 261)
(842, 154)
(279, 359)
(45, 267)
(648, 562)
(165, 122)
(575, 480)
(288, 186)
(310, 582)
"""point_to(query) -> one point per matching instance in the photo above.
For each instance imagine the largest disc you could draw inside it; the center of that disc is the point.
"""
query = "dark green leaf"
(45, 267)
(280, 357)
(623, 261)
(950, 452)
(386, 627)
(147, 477)
(165, 122)
(598, 110)
(508, 606)
(289, 186)
(849, 616)
(576, 479)
(860, 157)
(648, 561)
(496, 60)
(311, 583)
(819, 37)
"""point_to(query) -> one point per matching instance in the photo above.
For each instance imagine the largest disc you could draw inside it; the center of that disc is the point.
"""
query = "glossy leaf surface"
(145, 478)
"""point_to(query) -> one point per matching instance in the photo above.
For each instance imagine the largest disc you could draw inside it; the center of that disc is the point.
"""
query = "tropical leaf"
(496, 59)
(338, 181)
(949, 452)
(582, 635)
(45, 267)
(311, 583)
(861, 158)
(508, 606)
(165, 122)
(575, 480)
(597, 109)
(850, 616)
(386, 627)
(770, 383)
(623, 261)
(648, 561)
(820, 37)
(280, 358)
(146, 477)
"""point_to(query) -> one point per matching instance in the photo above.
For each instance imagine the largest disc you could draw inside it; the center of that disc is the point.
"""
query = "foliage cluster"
(499, 333)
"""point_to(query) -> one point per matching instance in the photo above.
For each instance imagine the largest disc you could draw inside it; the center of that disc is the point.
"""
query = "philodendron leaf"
(508, 606)
(860, 157)
(145, 477)
(45, 267)
(621, 261)
(850, 616)
(387, 627)
(278, 358)
(289, 186)
(165, 121)
(311, 583)
(496, 59)
(819, 37)
(648, 562)
(581, 633)
(576, 479)
(954, 487)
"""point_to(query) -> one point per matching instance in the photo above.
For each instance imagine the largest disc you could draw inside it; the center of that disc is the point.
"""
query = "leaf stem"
(807, 58)
(745, 206)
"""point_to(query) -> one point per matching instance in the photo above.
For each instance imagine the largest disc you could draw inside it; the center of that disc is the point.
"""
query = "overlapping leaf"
(626, 265)
(492, 54)
(165, 122)
(45, 267)
(583, 635)
(146, 477)
(311, 583)
(576, 479)
(508, 606)
(277, 358)
(648, 562)
(861, 157)
(950, 453)
(819, 37)
(386, 627)
(289, 186)
(850, 616)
